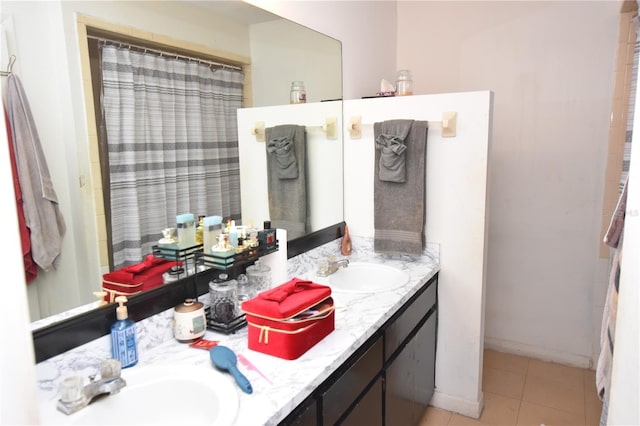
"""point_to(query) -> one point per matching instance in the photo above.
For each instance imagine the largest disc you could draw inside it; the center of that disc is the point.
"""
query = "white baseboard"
(542, 354)
(457, 405)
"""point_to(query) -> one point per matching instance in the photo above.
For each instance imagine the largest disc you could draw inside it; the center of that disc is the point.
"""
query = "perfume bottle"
(186, 230)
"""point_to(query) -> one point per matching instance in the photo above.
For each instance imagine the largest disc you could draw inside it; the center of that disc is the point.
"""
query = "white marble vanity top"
(287, 383)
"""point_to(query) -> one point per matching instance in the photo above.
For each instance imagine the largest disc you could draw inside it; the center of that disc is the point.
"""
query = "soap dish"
(225, 328)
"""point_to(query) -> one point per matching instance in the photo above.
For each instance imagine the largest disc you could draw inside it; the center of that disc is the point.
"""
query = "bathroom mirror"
(44, 38)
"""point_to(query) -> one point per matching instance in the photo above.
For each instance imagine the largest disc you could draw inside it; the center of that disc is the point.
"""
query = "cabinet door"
(396, 332)
(410, 378)
(368, 411)
(307, 415)
(345, 390)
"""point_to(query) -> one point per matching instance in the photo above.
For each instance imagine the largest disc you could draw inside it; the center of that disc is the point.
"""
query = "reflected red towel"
(30, 267)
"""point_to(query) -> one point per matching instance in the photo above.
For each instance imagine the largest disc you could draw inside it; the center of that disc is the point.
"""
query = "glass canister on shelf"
(223, 294)
(404, 83)
(259, 276)
(298, 94)
(246, 289)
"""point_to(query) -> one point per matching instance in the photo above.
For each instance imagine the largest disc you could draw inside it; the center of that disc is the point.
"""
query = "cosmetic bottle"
(233, 235)
(200, 230)
(266, 238)
(124, 343)
(186, 230)
(345, 246)
(211, 228)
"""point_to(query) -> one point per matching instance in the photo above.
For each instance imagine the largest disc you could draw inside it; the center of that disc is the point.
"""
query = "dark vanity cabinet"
(389, 380)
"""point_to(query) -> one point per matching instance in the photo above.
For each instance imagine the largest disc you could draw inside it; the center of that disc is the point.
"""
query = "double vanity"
(376, 367)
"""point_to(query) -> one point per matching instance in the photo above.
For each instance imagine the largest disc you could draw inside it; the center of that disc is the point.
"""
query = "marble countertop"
(282, 384)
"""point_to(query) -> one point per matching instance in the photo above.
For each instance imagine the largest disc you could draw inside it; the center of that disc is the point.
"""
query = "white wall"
(550, 66)
(456, 218)
(367, 30)
(309, 56)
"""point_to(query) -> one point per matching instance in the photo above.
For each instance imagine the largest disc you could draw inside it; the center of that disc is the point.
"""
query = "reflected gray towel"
(288, 196)
(391, 144)
(40, 203)
(399, 208)
(281, 149)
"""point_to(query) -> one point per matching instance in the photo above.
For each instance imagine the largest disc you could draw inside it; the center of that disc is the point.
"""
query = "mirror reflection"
(50, 42)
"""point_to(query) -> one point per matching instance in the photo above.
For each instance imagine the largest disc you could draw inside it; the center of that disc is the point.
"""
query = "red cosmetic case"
(286, 321)
(134, 279)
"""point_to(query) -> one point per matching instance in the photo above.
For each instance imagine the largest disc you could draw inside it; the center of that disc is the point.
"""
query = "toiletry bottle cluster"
(237, 239)
(216, 236)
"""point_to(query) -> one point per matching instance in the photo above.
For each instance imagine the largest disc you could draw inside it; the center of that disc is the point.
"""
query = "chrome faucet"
(75, 396)
(329, 266)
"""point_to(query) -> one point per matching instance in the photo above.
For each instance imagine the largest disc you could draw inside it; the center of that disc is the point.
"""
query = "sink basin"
(160, 395)
(363, 277)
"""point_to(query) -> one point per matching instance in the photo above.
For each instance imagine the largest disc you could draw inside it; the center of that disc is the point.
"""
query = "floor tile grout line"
(526, 373)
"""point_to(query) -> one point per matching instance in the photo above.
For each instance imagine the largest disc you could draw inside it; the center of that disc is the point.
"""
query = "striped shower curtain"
(173, 145)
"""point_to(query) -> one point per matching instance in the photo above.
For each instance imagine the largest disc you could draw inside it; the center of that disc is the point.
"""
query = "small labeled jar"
(189, 321)
(404, 83)
(298, 94)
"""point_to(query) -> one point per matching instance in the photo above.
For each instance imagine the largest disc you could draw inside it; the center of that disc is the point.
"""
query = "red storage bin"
(137, 278)
(288, 320)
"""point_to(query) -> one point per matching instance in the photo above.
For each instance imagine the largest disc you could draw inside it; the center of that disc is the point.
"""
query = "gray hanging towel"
(40, 203)
(399, 207)
(281, 150)
(287, 184)
(391, 144)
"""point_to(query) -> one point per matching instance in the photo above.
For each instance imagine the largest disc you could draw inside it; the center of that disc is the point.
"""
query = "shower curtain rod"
(163, 53)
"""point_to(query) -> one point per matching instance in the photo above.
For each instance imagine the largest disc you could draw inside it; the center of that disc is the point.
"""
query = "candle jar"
(404, 83)
(298, 94)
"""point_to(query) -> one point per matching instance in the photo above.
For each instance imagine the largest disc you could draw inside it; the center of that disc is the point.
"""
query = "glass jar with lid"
(404, 83)
(298, 94)
(223, 294)
(259, 276)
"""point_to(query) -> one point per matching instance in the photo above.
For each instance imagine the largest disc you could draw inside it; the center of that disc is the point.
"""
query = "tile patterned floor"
(524, 391)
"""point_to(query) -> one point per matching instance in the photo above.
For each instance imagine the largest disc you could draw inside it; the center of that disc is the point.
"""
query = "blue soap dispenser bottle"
(124, 343)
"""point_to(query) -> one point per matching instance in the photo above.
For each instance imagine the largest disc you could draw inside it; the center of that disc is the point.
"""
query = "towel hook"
(258, 131)
(330, 128)
(449, 124)
(12, 60)
(355, 127)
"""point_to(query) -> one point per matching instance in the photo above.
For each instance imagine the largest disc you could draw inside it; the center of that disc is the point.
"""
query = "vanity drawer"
(402, 326)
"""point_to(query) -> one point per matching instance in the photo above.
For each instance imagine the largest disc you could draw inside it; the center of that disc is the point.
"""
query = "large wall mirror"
(48, 38)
